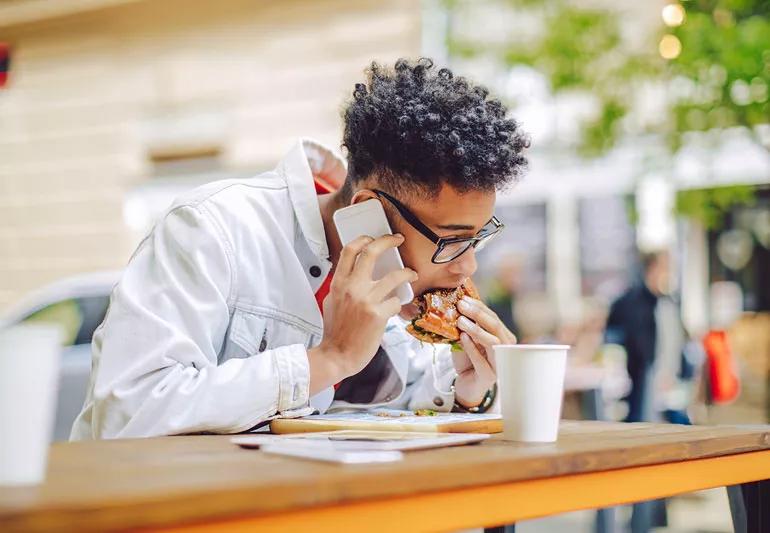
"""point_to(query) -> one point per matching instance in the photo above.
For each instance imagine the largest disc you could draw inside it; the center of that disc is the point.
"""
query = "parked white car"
(77, 304)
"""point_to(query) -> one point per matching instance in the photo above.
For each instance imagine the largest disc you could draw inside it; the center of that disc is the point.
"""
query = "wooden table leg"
(750, 506)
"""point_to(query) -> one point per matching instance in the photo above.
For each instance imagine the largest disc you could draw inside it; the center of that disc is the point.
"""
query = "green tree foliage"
(725, 62)
(719, 80)
(720, 77)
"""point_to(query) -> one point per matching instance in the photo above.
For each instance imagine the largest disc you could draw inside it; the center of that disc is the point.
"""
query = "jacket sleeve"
(155, 355)
(432, 388)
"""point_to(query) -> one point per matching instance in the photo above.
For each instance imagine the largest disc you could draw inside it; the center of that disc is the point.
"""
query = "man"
(242, 306)
(647, 323)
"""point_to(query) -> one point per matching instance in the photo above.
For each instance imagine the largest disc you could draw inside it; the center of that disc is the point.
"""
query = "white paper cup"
(29, 369)
(531, 385)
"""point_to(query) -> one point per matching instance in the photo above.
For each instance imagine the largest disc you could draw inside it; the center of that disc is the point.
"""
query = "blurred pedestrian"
(646, 321)
(503, 289)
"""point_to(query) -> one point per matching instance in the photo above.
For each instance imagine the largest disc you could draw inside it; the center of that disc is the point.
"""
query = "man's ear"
(362, 195)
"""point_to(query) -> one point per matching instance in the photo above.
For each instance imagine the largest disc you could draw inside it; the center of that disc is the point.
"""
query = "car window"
(65, 314)
(92, 311)
(77, 317)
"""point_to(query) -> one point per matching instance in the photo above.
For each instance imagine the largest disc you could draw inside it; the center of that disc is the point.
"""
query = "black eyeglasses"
(447, 249)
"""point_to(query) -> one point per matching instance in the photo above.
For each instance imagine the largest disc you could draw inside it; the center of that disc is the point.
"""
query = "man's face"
(449, 214)
(658, 276)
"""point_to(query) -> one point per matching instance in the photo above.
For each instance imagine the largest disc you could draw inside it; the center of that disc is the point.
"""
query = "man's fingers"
(486, 318)
(369, 254)
(349, 253)
(477, 333)
(461, 361)
(391, 281)
(479, 313)
(481, 364)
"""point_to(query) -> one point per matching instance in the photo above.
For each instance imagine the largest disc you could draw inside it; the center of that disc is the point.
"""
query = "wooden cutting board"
(390, 420)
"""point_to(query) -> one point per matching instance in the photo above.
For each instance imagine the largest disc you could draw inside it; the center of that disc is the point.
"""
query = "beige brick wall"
(88, 91)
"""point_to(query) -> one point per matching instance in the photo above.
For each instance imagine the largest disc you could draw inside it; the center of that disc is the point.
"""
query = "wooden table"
(204, 484)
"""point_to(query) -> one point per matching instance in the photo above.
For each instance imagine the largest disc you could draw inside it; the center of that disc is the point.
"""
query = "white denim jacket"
(209, 327)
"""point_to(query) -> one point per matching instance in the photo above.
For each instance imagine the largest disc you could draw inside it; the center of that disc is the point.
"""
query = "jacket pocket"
(252, 333)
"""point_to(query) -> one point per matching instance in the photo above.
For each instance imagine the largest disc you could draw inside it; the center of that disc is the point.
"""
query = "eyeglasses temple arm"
(409, 217)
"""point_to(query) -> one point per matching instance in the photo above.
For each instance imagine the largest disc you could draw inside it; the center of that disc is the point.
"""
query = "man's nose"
(465, 265)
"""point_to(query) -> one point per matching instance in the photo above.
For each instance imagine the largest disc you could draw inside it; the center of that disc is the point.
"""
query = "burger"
(436, 320)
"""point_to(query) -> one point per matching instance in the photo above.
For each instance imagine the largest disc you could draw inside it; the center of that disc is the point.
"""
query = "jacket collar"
(309, 161)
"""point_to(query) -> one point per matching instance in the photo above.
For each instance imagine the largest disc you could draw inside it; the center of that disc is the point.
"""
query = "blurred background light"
(673, 15)
(670, 47)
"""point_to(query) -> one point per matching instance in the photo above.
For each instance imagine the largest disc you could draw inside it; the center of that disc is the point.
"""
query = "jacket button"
(438, 401)
(315, 271)
(263, 345)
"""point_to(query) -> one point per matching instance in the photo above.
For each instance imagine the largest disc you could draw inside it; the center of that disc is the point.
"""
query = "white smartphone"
(368, 218)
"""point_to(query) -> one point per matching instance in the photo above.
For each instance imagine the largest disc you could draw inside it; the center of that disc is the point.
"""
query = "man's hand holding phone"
(356, 311)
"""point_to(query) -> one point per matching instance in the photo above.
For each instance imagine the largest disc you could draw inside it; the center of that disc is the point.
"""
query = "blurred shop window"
(77, 317)
(739, 250)
(512, 269)
(521, 248)
(607, 246)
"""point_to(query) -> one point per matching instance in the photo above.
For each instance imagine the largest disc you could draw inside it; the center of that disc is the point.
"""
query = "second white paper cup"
(29, 372)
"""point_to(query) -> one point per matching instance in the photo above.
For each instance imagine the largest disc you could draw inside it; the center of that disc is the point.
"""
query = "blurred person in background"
(503, 288)
(646, 321)
(242, 305)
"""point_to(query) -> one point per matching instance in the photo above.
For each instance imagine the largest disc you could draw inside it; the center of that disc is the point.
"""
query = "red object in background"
(5, 63)
(723, 381)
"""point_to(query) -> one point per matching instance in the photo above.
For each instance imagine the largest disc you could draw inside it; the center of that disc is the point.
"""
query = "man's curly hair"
(416, 127)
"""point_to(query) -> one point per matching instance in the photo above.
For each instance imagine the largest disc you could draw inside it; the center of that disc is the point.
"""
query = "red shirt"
(323, 187)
